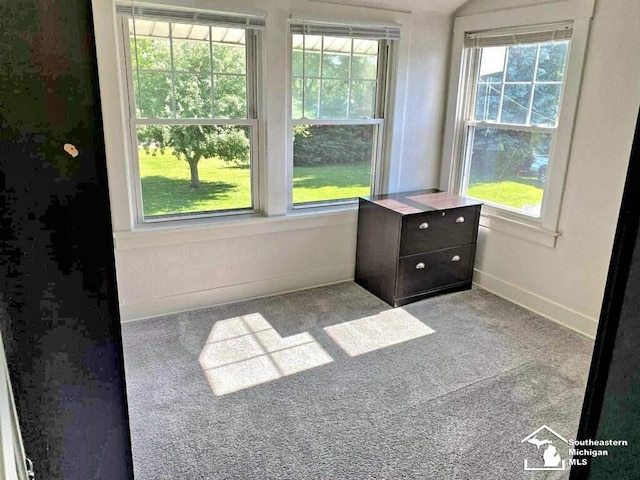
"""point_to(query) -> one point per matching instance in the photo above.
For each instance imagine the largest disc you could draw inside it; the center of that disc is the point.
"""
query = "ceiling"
(443, 6)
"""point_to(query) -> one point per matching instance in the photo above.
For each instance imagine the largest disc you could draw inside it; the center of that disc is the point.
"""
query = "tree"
(192, 143)
(186, 92)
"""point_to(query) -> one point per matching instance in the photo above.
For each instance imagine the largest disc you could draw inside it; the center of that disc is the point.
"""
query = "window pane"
(364, 66)
(348, 70)
(311, 46)
(155, 95)
(553, 58)
(191, 56)
(311, 91)
(546, 101)
(296, 98)
(509, 168)
(521, 62)
(336, 45)
(335, 65)
(151, 53)
(175, 182)
(363, 99)
(487, 101)
(515, 104)
(332, 162)
(193, 95)
(296, 63)
(492, 64)
(230, 96)
(312, 64)
(229, 59)
(311, 98)
(333, 101)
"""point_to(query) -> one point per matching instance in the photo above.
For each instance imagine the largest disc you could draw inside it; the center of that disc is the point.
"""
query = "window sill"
(519, 228)
(201, 230)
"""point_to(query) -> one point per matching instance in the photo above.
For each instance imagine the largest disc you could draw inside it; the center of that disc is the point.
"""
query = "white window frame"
(543, 230)
(253, 42)
(386, 61)
(274, 149)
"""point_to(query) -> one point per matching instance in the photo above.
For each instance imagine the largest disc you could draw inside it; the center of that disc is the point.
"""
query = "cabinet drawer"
(435, 230)
(419, 273)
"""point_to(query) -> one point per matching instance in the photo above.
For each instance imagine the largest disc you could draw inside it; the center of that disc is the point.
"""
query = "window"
(513, 103)
(192, 115)
(338, 102)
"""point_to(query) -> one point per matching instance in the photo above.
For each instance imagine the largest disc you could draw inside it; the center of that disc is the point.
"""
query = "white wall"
(167, 270)
(566, 283)
(425, 91)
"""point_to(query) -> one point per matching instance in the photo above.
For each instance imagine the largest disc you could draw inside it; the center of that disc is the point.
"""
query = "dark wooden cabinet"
(415, 245)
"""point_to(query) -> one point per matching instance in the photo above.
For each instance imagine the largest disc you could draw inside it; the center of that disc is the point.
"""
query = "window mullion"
(173, 79)
(213, 87)
(250, 82)
(504, 79)
(350, 81)
(510, 126)
(381, 78)
(468, 149)
(304, 73)
(128, 66)
(319, 114)
(533, 85)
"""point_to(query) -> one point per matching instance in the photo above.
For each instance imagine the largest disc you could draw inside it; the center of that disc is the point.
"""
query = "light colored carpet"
(332, 383)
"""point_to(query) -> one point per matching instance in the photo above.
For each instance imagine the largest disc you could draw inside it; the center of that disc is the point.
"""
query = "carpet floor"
(331, 383)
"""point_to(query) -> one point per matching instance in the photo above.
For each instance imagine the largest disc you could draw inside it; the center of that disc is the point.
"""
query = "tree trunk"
(195, 179)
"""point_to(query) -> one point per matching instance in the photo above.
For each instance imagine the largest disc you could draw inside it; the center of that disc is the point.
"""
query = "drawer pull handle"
(460, 220)
(456, 258)
(423, 226)
(420, 266)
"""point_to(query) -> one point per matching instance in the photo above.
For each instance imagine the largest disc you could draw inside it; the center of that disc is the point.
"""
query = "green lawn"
(510, 193)
(316, 184)
(166, 184)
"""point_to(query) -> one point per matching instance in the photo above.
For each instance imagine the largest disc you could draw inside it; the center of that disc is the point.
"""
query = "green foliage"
(232, 145)
(191, 92)
(501, 154)
(332, 144)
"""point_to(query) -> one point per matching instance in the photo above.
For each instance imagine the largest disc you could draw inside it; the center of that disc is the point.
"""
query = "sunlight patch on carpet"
(245, 351)
(367, 334)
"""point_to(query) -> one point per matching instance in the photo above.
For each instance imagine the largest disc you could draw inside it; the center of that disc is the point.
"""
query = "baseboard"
(233, 293)
(571, 319)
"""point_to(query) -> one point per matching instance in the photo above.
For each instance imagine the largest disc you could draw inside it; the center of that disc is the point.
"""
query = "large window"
(338, 95)
(512, 111)
(193, 122)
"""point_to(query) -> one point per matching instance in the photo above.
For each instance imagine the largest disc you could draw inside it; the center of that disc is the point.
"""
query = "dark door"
(611, 408)
(58, 302)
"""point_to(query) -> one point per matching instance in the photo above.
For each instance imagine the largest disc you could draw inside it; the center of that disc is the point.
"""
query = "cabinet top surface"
(419, 201)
